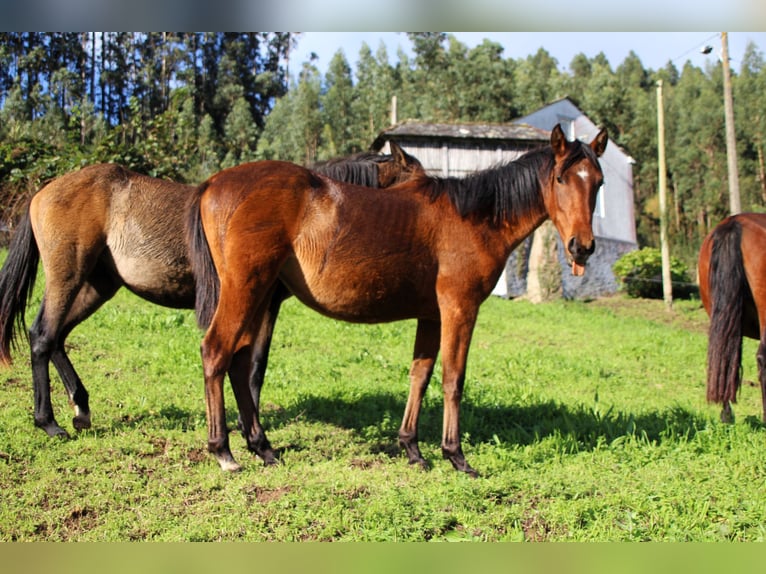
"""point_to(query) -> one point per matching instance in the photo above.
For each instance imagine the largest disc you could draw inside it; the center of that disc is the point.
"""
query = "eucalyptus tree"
(340, 133)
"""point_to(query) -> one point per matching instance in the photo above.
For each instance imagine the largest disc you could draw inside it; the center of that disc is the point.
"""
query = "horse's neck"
(520, 227)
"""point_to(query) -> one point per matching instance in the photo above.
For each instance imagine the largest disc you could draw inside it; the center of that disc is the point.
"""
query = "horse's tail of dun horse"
(205, 275)
(728, 292)
(17, 280)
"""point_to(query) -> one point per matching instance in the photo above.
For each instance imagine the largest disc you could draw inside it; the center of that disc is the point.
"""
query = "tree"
(375, 87)
(538, 82)
(293, 129)
(487, 93)
(751, 127)
(338, 133)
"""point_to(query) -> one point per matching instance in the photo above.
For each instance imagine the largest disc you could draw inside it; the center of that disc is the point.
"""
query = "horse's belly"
(153, 265)
(157, 281)
(363, 293)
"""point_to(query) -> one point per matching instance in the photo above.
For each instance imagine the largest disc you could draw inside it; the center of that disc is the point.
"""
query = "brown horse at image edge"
(103, 227)
(732, 276)
(429, 249)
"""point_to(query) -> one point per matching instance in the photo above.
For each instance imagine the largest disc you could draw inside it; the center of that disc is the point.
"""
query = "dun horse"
(732, 274)
(104, 227)
(429, 249)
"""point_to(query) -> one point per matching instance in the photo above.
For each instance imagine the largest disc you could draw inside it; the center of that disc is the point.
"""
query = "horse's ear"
(599, 142)
(558, 141)
(398, 153)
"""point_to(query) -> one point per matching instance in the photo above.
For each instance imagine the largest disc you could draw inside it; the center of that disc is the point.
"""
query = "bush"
(640, 275)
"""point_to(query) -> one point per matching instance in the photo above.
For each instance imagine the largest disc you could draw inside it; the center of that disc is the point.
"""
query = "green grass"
(587, 421)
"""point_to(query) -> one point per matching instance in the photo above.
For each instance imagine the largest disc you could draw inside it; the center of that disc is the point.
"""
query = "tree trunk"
(544, 281)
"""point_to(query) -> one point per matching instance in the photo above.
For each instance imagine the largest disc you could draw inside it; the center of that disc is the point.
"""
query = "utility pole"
(731, 144)
(667, 285)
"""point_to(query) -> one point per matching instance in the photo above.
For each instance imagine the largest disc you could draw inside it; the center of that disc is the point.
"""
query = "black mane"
(359, 169)
(510, 189)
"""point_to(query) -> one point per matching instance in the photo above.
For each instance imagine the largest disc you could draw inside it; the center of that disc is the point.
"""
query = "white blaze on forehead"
(583, 174)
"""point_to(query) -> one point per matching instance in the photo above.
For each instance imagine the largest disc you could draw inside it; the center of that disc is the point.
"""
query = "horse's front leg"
(457, 328)
(424, 357)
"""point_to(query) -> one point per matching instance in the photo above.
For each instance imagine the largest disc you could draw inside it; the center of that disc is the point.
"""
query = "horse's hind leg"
(231, 331)
(262, 345)
(66, 268)
(42, 341)
(424, 357)
(91, 297)
(41, 384)
(252, 375)
(249, 420)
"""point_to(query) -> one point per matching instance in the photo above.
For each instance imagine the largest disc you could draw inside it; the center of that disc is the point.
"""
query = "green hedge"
(640, 275)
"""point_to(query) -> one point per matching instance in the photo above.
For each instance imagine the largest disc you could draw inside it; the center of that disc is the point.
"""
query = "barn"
(536, 269)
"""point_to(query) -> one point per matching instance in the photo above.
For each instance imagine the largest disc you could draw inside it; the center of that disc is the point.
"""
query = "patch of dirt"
(197, 455)
(261, 495)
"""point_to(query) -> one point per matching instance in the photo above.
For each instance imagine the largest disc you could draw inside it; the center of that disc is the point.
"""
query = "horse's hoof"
(229, 465)
(459, 463)
(269, 459)
(54, 430)
(471, 472)
(59, 434)
(81, 422)
(420, 463)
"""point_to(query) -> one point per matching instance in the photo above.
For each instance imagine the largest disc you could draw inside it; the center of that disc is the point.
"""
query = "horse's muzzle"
(579, 253)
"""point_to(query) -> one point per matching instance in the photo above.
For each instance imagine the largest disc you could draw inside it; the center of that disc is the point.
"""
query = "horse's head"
(398, 167)
(571, 195)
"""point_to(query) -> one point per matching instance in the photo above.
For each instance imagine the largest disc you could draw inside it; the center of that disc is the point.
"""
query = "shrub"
(640, 275)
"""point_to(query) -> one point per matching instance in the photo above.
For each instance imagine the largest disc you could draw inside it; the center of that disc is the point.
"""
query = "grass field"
(587, 421)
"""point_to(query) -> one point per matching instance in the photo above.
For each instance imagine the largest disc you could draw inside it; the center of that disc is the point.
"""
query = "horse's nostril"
(577, 249)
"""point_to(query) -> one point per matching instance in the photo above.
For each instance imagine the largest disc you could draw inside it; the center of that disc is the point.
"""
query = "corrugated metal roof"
(508, 132)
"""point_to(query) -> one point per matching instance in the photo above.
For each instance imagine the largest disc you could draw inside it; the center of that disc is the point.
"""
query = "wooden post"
(667, 285)
(394, 111)
(731, 144)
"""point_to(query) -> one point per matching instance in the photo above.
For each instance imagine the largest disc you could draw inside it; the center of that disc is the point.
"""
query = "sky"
(654, 49)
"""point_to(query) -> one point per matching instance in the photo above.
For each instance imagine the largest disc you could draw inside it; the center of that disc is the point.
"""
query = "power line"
(695, 48)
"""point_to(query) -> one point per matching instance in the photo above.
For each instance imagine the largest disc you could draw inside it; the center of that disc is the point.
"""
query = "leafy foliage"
(640, 274)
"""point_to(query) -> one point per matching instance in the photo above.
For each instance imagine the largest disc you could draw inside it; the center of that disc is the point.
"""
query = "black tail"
(208, 285)
(729, 291)
(17, 280)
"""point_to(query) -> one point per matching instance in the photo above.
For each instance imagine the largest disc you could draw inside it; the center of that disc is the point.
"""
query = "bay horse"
(104, 227)
(430, 249)
(732, 276)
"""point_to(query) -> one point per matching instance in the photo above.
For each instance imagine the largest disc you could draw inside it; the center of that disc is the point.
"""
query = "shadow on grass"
(581, 428)
(170, 417)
